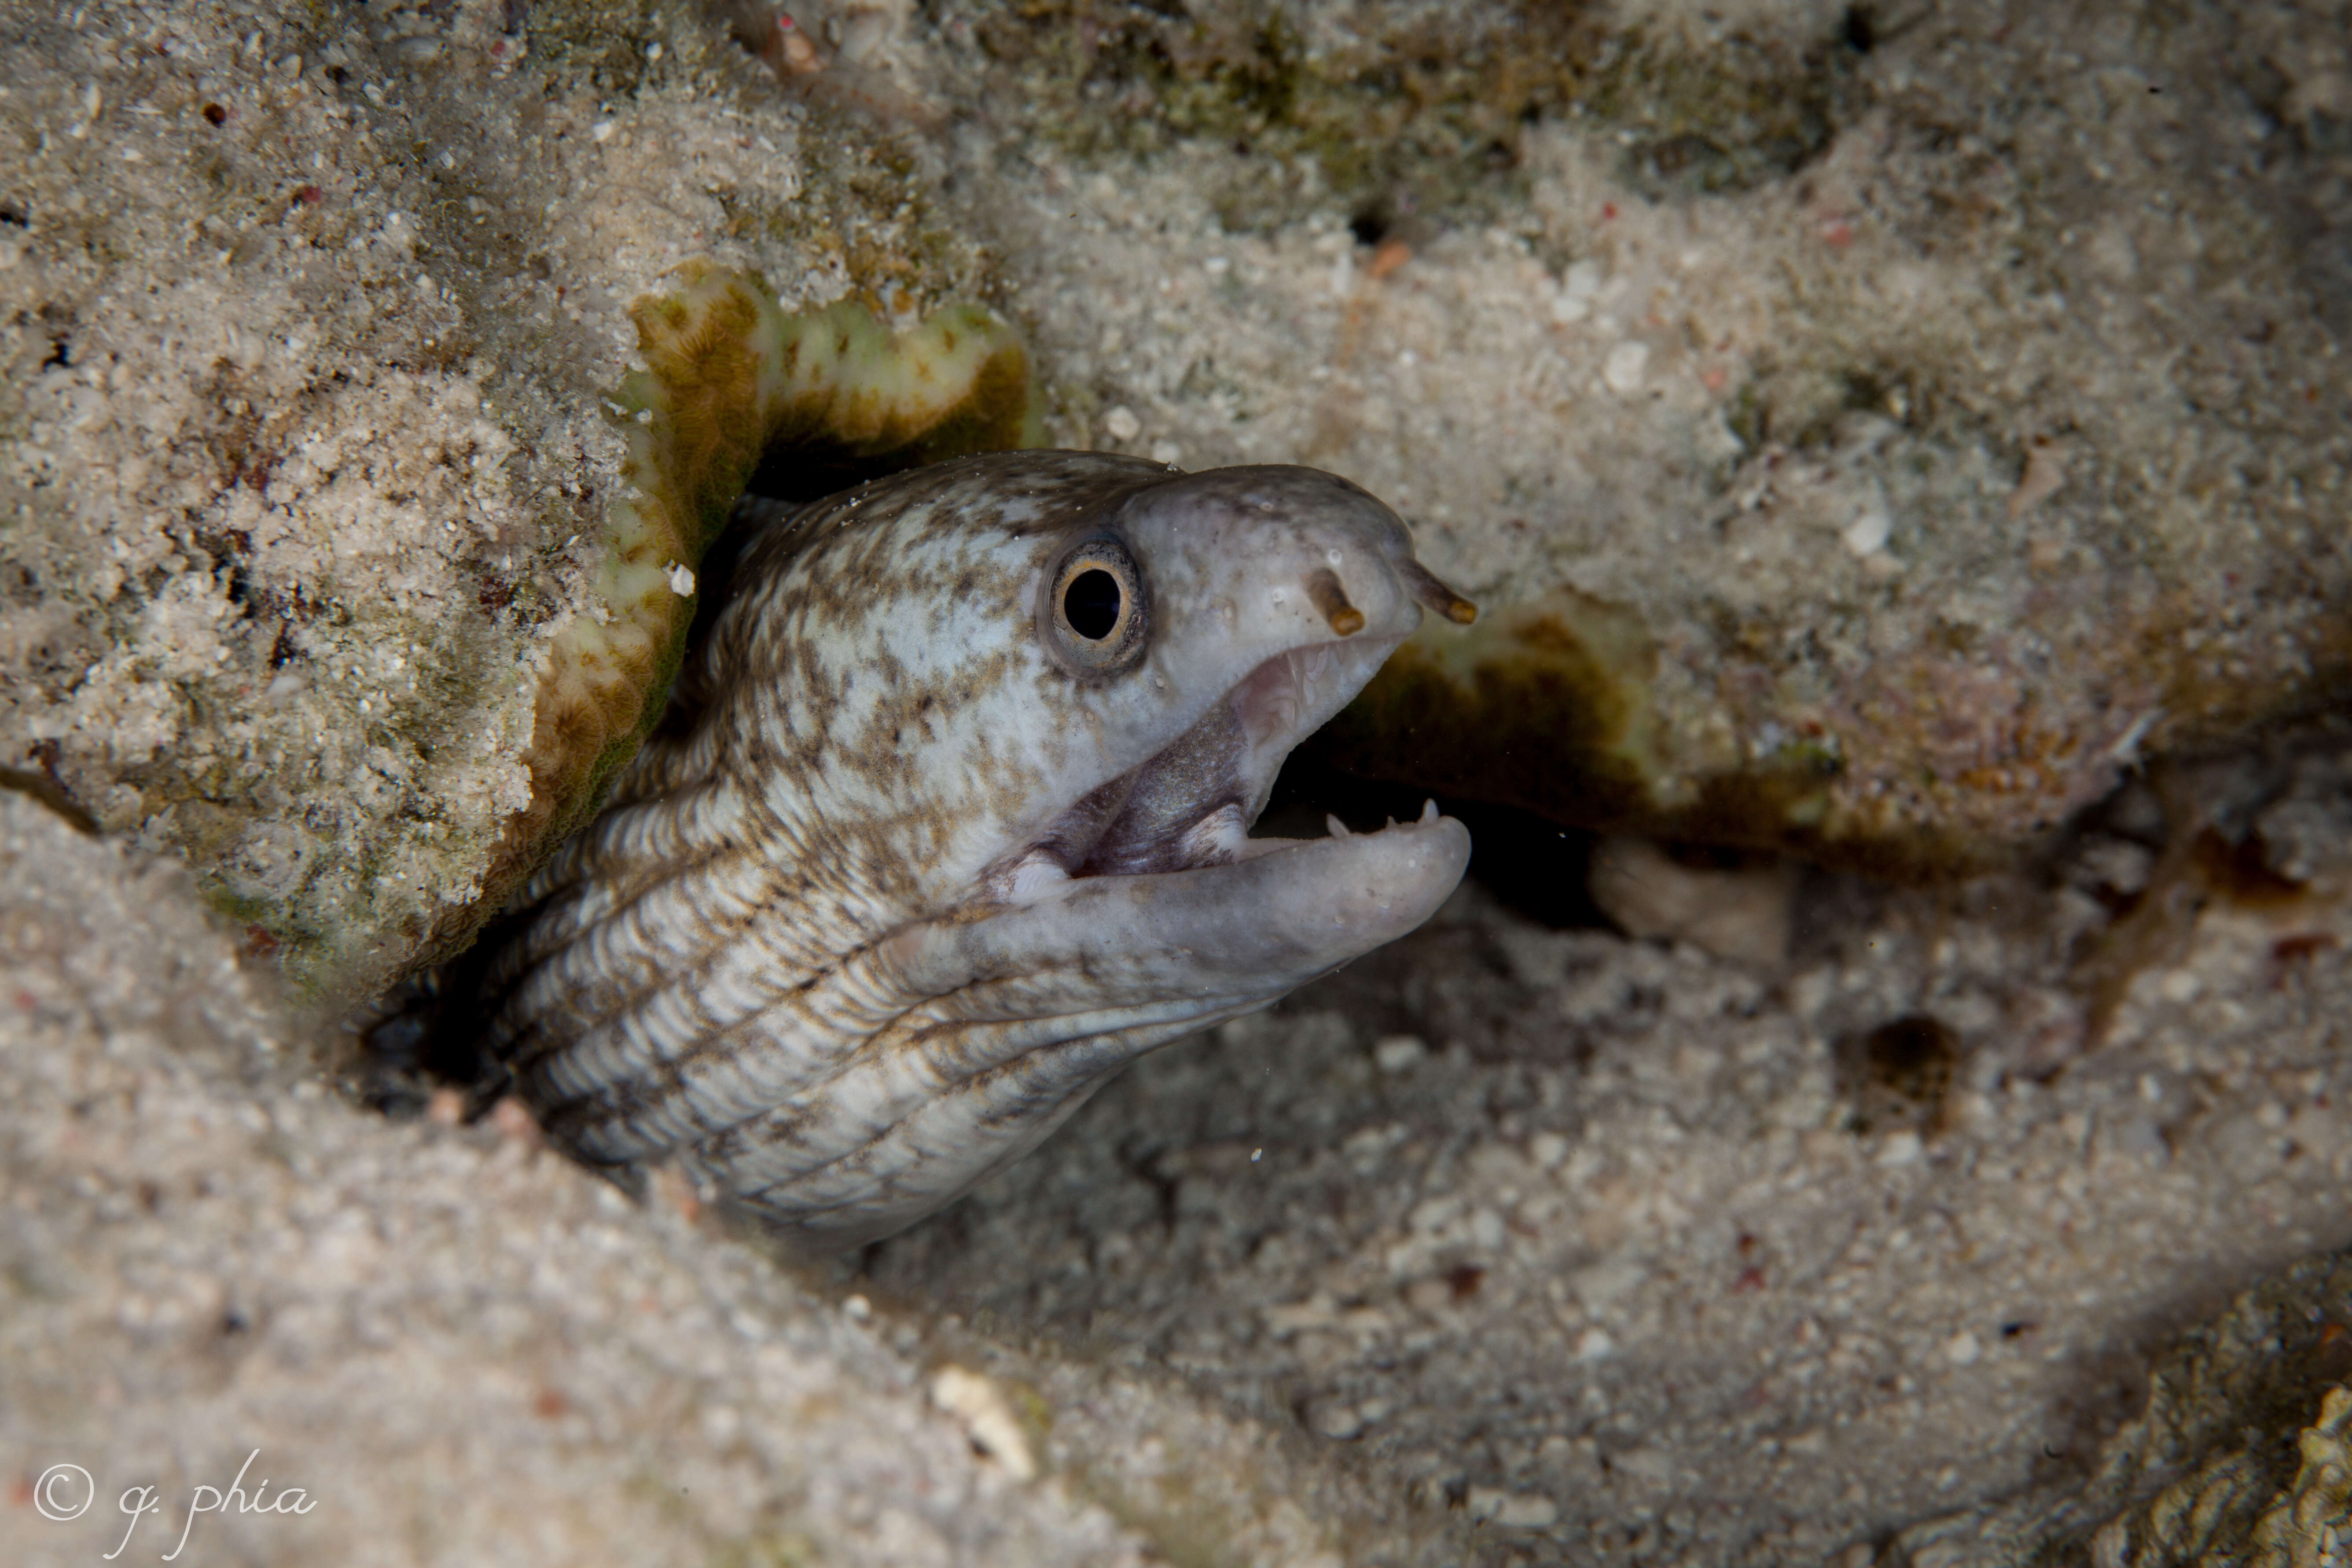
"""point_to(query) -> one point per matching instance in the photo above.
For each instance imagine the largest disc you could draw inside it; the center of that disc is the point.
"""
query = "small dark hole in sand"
(1900, 1074)
(1911, 1051)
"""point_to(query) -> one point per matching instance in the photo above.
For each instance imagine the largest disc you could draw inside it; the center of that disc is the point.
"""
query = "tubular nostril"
(1423, 585)
(1323, 589)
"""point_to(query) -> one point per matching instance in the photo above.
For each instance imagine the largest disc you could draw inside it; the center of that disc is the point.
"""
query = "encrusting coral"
(2242, 1459)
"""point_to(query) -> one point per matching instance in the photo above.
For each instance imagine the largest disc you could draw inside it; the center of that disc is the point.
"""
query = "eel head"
(959, 824)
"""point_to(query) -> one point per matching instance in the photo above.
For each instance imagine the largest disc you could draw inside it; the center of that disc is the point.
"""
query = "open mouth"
(1193, 803)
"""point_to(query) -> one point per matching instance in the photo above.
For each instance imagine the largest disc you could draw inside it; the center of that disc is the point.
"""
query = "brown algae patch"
(1928, 766)
(730, 382)
(1543, 704)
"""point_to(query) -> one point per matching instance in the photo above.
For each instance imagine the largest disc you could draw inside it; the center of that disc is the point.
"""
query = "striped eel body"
(949, 821)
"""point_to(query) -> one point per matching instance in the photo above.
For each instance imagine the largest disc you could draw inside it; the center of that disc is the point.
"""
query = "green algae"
(1723, 119)
(1409, 118)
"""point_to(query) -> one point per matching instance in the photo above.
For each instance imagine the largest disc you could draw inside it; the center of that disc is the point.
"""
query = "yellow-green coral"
(2243, 1458)
(731, 381)
(2228, 1514)
(2311, 1523)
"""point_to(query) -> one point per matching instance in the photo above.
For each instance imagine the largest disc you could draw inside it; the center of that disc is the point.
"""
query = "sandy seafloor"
(1525, 1240)
(1648, 1255)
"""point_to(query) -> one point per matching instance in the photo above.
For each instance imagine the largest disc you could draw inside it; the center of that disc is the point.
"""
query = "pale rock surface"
(307, 319)
(461, 1348)
(1514, 1246)
(1950, 403)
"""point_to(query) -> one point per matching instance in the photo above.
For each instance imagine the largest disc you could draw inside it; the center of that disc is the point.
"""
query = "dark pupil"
(1091, 604)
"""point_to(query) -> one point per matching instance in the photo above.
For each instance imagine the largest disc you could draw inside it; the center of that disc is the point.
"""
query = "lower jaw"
(1032, 1008)
(1282, 911)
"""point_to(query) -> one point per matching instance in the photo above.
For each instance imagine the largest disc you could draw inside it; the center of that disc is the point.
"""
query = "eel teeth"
(1428, 811)
(1338, 828)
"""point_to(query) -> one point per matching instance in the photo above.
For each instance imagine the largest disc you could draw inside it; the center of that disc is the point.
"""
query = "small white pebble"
(1902, 1148)
(1397, 1052)
(1866, 534)
(1516, 1511)
(1338, 1422)
(1962, 1349)
(1167, 452)
(857, 1308)
(601, 130)
(1121, 425)
(1644, 1464)
(681, 580)
(1594, 1344)
(1626, 367)
(974, 1401)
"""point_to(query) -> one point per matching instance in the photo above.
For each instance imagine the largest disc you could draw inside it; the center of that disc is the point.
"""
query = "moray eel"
(950, 822)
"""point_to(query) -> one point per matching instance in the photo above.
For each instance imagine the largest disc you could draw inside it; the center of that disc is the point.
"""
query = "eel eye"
(1095, 612)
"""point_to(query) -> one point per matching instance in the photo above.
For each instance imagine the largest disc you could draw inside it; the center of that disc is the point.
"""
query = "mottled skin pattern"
(904, 881)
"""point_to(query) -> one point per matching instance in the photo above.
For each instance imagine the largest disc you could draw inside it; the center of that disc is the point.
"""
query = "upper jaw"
(1292, 695)
(1281, 591)
(1193, 803)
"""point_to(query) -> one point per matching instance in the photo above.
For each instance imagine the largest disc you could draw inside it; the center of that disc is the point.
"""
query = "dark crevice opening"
(1534, 867)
